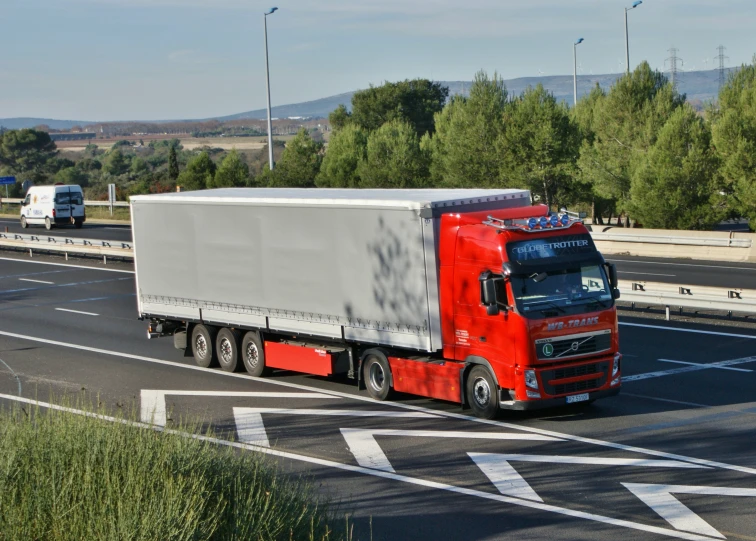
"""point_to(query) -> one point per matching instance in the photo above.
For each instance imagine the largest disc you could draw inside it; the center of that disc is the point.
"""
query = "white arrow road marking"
(705, 365)
(153, 408)
(368, 453)
(694, 368)
(250, 427)
(660, 499)
(506, 479)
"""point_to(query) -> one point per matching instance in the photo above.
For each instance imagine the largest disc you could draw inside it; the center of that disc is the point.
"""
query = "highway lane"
(97, 231)
(449, 483)
(686, 271)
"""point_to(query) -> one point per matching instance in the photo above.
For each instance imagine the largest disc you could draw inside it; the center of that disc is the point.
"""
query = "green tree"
(465, 150)
(173, 167)
(346, 149)
(139, 167)
(676, 188)
(26, 152)
(414, 101)
(394, 158)
(541, 146)
(232, 172)
(734, 136)
(339, 117)
(198, 174)
(72, 175)
(299, 163)
(116, 163)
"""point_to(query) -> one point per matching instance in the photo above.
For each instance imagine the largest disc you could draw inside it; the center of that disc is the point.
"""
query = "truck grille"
(601, 370)
(566, 347)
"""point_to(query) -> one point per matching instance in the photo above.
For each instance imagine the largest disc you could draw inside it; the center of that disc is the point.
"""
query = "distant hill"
(699, 86)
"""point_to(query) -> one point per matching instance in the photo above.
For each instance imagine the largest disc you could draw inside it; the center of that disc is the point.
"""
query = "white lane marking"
(504, 477)
(368, 453)
(36, 281)
(54, 286)
(77, 312)
(694, 368)
(153, 408)
(645, 273)
(250, 428)
(660, 499)
(705, 365)
(680, 264)
(448, 414)
(596, 461)
(694, 404)
(694, 331)
(64, 265)
(383, 475)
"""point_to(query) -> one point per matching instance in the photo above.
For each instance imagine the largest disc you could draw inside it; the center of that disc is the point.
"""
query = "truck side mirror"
(492, 293)
(613, 275)
(615, 293)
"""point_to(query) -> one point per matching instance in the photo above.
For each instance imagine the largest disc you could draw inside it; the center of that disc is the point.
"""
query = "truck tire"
(24, 225)
(376, 373)
(482, 394)
(227, 350)
(253, 355)
(48, 223)
(203, 345)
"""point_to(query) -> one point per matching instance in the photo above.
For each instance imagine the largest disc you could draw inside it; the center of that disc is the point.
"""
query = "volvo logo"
(548, 350)
(575, 346)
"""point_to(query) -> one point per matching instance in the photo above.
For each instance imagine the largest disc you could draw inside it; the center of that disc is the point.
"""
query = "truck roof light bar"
(532, 225)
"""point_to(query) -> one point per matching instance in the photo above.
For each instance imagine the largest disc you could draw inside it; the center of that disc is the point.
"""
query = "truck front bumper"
(506, 403)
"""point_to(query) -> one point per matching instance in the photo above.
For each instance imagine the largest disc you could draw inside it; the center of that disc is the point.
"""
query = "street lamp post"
(574, 73)
(627, 39)
(267, 78)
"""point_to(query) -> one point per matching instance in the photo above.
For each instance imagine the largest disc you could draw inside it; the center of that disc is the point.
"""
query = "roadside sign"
(7, 180)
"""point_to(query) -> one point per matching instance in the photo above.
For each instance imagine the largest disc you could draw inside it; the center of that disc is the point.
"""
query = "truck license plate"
(577, 398)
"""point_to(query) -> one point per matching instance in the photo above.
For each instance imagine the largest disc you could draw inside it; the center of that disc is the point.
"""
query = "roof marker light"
(543, 222)
(565, 219)
(554, 220)
(532, 223)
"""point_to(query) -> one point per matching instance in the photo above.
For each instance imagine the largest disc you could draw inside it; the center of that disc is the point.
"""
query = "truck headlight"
(530, 379)
(616, 366)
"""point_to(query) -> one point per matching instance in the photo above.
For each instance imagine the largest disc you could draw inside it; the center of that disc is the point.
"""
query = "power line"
(721, 57)
(675, 66)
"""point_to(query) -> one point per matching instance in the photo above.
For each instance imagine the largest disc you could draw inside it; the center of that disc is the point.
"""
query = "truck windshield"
(574, 290)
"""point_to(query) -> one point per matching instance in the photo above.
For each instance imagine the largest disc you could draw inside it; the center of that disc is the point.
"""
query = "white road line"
(65, 265)
(504, 477)
(645, 273)
(680, 264)
(694, 404)
(705, 365)
(77, 312)
(660, 499)
(694, 368)
(153, 408)
(368, 453)
(387, 475)
(409, 407)
(36, 281)
(694, 331)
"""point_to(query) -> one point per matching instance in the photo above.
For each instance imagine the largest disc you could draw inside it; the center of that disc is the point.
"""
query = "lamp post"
(574, 73)
(267, 78)
(627, 39)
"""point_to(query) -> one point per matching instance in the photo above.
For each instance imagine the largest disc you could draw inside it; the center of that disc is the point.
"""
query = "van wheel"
(203, 345)
(78, 224)
(376, 373)
(253, 355)
(48, 223)
(482, 394)
(227, 348)
(24, 225)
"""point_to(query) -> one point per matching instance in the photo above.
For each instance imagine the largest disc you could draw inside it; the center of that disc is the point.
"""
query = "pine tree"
(173, 167)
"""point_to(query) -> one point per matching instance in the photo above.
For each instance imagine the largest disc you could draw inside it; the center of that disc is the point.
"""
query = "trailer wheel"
(377, 376)
(203, 345)
(24, 225)
(253, 354)
(227, 349)
(48, 223)
(482, 394)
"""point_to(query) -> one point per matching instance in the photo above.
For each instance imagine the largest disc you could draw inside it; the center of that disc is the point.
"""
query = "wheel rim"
(200, 346)
(226, 350)
(377, 376)
(481, 392)
(251, 354)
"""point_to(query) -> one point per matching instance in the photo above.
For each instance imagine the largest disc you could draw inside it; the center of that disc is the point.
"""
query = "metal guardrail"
(15, 201)
(691, 241)
(686, 296)
(67, 245)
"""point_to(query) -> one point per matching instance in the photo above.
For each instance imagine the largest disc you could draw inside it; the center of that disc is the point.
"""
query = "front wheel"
(78, 224)
(24, 225)
(482, 393)
(203, 345)
(377, 375)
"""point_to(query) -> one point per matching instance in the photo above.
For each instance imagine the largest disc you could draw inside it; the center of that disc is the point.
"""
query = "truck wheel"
(48, 223)
(227, 348)
(253, 354)
(24, 225)
(203, 345)
(482, 394)
(377, 376)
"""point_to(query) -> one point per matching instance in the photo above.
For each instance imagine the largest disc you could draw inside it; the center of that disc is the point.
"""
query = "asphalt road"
(88, 231)
(671, 457)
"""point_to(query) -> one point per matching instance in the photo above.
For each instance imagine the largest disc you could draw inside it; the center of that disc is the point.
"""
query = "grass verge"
(103, 213)
(64, 476)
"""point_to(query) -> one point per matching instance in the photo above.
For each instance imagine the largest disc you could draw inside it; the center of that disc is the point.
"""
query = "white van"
(53, 205)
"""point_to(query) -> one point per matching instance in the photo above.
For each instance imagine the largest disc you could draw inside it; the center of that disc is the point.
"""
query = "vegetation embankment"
(64, 476)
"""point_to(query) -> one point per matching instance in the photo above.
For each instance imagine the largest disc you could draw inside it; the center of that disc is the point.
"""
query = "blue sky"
(165, 59)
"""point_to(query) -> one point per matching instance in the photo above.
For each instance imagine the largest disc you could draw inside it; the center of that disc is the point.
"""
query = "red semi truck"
(470, 296)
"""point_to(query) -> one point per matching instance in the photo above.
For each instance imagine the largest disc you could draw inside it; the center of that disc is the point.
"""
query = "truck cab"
(53, 206)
